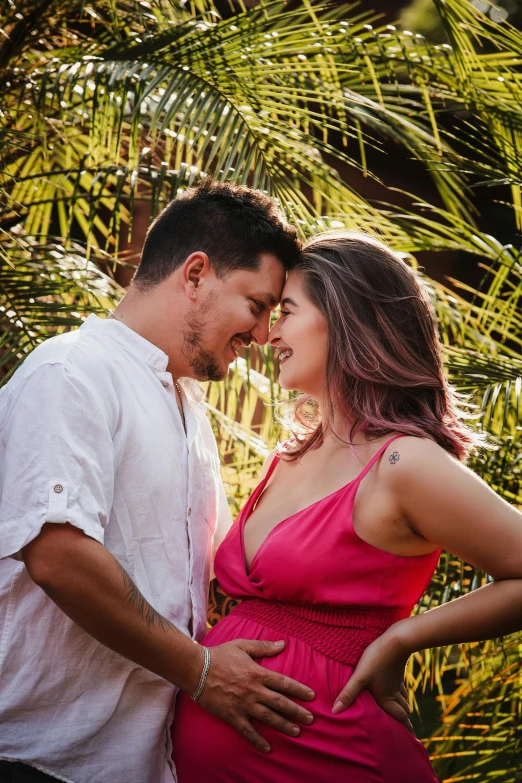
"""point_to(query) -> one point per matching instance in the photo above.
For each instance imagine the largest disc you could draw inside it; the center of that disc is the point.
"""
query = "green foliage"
(111, 105)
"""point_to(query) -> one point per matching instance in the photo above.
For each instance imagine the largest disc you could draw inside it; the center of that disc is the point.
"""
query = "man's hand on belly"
(238, 690)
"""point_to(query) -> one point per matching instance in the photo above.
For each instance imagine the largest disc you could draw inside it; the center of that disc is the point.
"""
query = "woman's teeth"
(284, 355)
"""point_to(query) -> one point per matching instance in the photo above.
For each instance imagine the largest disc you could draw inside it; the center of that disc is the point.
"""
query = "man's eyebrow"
(267, 298)
(289, 301)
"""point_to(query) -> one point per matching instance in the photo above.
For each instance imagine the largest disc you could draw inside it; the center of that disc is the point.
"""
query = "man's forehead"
(266, 283)
(267, 290)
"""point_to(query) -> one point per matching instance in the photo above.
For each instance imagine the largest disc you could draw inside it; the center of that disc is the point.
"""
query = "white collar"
(151, 354)
(145, 350)
(192, 389)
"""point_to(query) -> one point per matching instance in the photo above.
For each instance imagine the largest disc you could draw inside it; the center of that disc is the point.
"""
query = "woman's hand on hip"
(381, 671)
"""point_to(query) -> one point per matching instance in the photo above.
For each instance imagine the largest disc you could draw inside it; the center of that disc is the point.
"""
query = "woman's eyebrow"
(289, 301)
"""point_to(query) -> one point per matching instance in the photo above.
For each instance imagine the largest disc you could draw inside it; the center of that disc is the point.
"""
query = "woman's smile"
(284, 355)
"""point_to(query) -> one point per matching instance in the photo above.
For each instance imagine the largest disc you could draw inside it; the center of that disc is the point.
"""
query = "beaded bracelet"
(204, 673)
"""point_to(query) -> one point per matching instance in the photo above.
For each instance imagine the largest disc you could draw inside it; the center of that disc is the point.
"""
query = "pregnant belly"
(361, 745)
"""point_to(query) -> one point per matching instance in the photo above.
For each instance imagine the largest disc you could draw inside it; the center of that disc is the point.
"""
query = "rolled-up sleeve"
(57, 457)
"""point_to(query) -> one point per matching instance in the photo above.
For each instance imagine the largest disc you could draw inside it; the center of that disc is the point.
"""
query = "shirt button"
(189, 511)
(165, 384)
(58, 488)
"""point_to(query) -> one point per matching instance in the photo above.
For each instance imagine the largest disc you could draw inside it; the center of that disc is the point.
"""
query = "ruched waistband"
(338, 632)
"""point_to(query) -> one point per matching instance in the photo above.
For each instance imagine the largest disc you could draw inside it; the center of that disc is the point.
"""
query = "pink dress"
(328, 594)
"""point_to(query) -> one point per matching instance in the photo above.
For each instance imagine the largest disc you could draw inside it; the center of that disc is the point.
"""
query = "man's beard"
(203, 362)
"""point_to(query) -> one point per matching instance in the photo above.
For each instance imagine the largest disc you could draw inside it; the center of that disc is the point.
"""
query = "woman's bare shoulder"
(415, 447)
(410, 457)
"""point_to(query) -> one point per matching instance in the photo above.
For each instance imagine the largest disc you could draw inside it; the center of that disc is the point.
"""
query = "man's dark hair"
(232, 224)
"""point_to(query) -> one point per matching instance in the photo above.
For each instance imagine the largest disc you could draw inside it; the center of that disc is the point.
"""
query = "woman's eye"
(284, 312)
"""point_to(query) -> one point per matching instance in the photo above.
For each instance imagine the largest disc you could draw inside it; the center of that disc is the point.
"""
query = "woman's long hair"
(384, 366)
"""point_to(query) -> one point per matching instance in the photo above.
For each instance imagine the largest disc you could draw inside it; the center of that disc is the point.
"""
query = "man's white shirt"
(91, 434)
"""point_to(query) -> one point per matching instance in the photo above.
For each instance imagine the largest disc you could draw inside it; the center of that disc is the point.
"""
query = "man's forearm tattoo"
(134, 598)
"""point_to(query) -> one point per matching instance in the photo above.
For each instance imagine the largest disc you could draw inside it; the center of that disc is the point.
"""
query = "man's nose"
(274, 336)
(261, 330)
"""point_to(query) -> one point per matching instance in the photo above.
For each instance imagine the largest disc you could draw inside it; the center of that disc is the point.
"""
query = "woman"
(343, 534)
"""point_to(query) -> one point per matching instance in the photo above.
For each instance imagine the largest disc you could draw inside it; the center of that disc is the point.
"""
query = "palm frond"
(45, 289)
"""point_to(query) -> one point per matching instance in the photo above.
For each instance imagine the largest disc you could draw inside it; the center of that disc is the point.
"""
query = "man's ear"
(194, 273)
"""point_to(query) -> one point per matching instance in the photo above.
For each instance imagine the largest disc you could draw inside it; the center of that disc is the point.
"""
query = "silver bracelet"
(204, 673)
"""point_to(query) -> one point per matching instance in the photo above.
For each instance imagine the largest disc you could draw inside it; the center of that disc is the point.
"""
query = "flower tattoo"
(395, 457)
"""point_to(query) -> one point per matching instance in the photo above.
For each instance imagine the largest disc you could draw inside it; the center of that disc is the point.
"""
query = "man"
(109, 499)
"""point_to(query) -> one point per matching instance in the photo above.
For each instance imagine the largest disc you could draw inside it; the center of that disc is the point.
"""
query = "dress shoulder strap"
(271, 467)
(376, 457)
